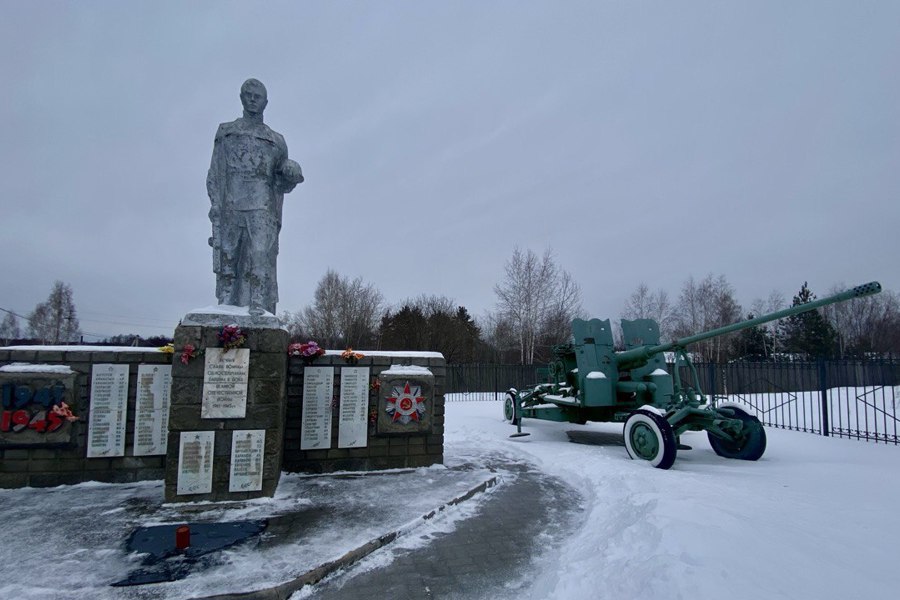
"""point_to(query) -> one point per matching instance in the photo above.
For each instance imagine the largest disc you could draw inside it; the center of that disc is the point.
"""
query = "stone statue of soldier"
(249, 174)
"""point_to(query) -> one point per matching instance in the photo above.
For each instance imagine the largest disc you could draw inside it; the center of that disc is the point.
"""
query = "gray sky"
(642, 141)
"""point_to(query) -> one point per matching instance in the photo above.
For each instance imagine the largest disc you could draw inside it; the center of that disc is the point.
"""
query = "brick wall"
(47, 467)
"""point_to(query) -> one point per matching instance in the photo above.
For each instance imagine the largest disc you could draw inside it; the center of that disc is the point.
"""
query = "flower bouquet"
(350, 356)
(187, 353)
(231, 336)
(307, 352)
(62, 410)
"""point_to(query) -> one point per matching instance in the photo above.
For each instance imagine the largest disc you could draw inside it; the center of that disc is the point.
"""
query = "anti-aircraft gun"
(589, 381)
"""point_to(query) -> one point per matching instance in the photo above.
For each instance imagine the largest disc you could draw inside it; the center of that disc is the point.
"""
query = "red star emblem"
(406, 404)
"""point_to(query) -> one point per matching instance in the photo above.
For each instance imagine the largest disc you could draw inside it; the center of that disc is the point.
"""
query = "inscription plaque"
(151, 410)
(353, 423)
(225, 384)
(109, 404)
(247, 447)
(195, 462)
(315, 430)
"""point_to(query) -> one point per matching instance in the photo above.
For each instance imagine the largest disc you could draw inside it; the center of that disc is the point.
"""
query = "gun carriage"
(588, 380)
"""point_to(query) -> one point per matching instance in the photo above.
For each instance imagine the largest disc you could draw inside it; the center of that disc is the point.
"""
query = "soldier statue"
(248, 177)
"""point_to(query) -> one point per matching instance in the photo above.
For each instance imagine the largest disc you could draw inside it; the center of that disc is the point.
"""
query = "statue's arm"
(214, 187)
(216, 173)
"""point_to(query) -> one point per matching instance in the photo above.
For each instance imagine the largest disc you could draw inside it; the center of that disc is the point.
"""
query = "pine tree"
(808, 334)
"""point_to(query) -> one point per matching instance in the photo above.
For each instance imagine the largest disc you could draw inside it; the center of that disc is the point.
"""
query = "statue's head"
(254, 97)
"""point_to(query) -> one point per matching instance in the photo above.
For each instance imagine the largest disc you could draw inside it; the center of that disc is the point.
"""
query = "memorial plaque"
(34, 403)
(353, 426)
(406, 401)
(318, 385)
(225, 383)
(109, 404)
(151, 411)
(247, 447)
(195, 462)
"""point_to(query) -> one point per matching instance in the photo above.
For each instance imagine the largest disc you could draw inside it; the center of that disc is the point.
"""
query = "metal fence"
(847, 398)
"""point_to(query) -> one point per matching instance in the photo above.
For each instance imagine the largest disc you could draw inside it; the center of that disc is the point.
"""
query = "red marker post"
(182, 537)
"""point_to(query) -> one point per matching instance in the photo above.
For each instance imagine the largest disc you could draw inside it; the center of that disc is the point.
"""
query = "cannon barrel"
(638, 356)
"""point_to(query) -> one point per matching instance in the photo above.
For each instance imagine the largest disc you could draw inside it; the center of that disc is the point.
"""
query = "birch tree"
(55, 321)
(345, 312)
(535, 298)
(9, 329)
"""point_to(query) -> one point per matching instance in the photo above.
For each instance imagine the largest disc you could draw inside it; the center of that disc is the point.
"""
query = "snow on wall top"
(390, 353)
(227, 309)
(411, 370)
(30, 368)
(84, 348)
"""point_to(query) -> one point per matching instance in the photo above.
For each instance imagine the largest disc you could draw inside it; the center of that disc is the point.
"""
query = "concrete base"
(266, 393)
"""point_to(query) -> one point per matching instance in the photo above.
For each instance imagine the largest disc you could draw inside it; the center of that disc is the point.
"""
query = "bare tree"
(9, 328)
(534, 298)
(864, 325)
(500, 337)
(644, 304)
(706, 305)
(55, 320)
(759, 307)
(345, 312)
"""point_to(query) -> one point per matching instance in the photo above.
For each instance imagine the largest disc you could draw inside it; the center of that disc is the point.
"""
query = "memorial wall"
(382, 411)
(103, 414)
(83, 414)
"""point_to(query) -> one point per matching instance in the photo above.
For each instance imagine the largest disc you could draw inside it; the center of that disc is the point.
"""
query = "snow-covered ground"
(68, 542)
(816, 517)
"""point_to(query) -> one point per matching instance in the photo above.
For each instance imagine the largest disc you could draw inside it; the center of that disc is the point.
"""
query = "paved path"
(487, 556)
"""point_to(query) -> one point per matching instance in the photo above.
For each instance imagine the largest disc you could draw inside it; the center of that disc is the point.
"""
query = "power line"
(15, 314)
(27, 320)
(100, 321)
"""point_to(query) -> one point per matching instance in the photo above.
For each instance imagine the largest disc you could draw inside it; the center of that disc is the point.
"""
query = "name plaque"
(225, 384)
(315, 429)
(151, 410)
(195, 462)
(353, 418)
(109, 404)
(247, 447)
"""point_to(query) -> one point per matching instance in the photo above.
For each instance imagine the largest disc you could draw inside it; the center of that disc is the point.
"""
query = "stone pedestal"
(242, 393)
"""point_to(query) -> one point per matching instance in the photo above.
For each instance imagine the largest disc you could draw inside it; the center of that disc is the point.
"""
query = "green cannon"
(588, 380)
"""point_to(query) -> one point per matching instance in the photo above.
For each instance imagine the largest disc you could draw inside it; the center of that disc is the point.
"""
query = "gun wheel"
(509, 408)
(751, 445)
(649, 437)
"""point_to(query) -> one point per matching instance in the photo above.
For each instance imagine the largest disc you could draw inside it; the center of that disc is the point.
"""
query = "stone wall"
(384, 450)
(264, 409)
(67, 463)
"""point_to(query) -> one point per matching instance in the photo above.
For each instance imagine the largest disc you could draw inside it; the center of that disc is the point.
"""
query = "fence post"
(711, 381)
(823, 395)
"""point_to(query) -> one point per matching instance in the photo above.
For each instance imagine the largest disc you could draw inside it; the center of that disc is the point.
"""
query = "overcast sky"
(642, 141)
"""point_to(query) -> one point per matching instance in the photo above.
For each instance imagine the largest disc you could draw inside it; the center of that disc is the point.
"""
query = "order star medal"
(406, 404)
